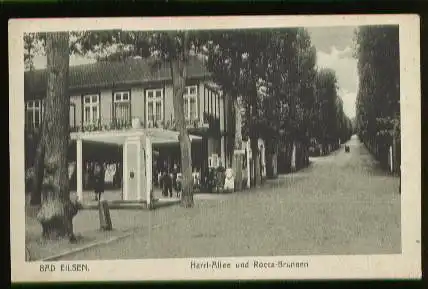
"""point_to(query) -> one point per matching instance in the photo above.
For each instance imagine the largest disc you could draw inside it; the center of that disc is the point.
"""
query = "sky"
(334, 50)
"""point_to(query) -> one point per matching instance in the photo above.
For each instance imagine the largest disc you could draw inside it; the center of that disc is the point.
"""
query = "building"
(118, 98)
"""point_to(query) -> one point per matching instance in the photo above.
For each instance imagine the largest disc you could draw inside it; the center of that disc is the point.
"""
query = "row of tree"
(271, 75)
(378, 100)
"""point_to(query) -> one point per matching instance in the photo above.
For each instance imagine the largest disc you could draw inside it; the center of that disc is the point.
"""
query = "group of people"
(171, 180)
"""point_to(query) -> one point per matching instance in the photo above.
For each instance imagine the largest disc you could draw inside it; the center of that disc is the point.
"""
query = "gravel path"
(342, 204)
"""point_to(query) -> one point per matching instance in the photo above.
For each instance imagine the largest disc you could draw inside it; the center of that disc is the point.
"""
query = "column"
(79, 169)
(149, 178)
(124, 173)
(248, 148)
(222, 152)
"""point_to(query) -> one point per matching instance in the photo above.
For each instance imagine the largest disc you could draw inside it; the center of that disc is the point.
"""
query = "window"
(191, 102)
(91, 108)
(122, 105)
(154, 105)
(121, 96)
(33, 113)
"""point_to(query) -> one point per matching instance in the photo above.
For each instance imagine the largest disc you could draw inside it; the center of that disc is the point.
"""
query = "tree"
(225, 59)
(281, 81)
(57, 211)
(378, 99)
(236, 58)
(289, 74)
(30, 48)
(330, 108)
(175, 48)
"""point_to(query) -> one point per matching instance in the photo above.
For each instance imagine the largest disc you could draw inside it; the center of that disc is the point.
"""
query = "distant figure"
(166, 184)
(179, 183)
(221, 176)
(346, 149)
(175, 172)
(229, 183)
(196, 177)
(98, 181)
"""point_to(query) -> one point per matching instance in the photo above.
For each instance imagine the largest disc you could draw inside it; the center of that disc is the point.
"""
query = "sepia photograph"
(265, 147)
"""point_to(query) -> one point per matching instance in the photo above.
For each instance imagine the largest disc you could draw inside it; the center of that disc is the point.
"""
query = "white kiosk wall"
(132, 167)
(137, 169)
(147, 167)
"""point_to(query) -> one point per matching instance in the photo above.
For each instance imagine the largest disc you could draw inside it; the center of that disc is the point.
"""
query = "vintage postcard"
(195, 148)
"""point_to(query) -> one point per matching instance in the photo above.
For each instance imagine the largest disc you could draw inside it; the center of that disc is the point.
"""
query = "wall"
(76, 101)
(138, 103)
(106, 106)
(169, 102)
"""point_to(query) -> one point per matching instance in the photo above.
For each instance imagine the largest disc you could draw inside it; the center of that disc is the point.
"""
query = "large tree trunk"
(36, 188)
(254, 134)
(238, 157)
(179, 74)
(57, 212)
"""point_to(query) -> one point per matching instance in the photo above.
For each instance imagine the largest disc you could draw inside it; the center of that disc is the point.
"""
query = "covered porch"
(135, 151)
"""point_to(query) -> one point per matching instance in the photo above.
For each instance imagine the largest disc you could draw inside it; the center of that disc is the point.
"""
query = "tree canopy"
(378, 99)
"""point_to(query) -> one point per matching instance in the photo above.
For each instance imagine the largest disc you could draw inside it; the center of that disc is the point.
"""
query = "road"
(342, 204)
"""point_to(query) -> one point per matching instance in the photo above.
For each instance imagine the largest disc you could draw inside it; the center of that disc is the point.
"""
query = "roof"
(107, 74)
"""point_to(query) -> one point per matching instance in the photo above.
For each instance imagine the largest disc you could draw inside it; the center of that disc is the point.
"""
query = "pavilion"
(137, 148)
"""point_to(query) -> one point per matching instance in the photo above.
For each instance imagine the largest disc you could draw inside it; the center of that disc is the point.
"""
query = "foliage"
(378, 99)
(331, 123)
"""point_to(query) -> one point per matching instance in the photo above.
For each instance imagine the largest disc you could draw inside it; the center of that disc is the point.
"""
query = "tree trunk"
(36, 190)
(237, 157)
(271, 158)
(256, 161)
(57, 212)
(179, 75)
(293, 156)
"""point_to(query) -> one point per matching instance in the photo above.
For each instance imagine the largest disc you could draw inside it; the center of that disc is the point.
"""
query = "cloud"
(349, 102)
(324, 38)
(345, 53)
(345, 66)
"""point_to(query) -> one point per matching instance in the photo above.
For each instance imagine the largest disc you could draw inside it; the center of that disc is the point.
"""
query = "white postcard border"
(405, 265)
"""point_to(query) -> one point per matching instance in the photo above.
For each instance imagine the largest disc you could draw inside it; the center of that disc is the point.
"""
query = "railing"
(123, 123)
(120, 124)
(104, 124)
(171, 124)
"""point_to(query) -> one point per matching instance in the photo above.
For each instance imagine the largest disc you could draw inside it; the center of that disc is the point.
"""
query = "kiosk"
(137, 145)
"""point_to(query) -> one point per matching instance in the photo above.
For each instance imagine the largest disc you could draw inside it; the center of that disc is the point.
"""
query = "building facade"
(116, 96)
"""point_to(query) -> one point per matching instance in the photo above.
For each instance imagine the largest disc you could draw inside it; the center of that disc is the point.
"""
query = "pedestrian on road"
(98, 181)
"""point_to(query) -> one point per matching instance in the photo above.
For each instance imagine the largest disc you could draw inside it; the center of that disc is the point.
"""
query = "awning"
(156, 135)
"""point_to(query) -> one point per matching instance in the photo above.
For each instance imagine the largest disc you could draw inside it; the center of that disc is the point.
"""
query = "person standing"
(98, 181)
(166, 184)
(174, 177)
